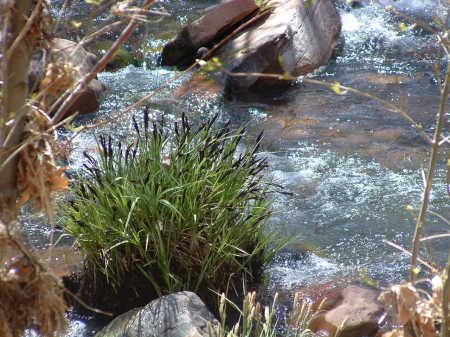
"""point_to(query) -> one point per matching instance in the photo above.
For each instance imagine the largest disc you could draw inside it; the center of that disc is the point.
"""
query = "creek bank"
(56, 68)
(290, 37)
(354, 309)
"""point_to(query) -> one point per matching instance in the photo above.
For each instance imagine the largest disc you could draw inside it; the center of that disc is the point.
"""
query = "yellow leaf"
(336, 87)
(286, 76)
(94, 2)
(438, 21)
(76, 24)
(402, 26)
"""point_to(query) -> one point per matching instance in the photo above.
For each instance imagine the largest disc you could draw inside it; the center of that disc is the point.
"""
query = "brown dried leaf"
(403, 298)
(58, 77)
(407, 298)
(38, 175)
(57, 180)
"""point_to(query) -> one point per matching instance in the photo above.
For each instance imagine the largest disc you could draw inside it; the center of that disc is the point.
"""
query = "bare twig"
(67, 101)
(420, 224)
(120, 114)
(64, 7)
(16, 150)
(87, 306)
(437, 236)
(439, 216)
(426, 264)
(24, 31)
(106, 29)
(5, 9)
(445, 294)
(417, 22)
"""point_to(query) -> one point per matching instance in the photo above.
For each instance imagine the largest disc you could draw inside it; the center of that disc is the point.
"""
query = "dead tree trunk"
(16, 49)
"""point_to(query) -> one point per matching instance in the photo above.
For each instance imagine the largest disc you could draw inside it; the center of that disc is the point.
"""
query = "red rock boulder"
(295, 38)
(355, 309)
(210, 28)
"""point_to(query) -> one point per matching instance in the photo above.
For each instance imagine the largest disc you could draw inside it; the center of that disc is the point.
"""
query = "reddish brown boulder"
(210, 28)
(355, 308)
(57, 68)
(297, 37)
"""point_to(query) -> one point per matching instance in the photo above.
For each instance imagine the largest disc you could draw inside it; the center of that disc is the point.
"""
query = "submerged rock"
(354, 307)
(181, 314)
(71, 63)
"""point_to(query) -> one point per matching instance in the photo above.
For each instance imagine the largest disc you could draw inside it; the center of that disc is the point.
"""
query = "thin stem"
(5, 17)
(445, 294)
(62, 15)
(429, 182)
(24, 31)
(106, 29)
(437, 236)
(417, 22)
(390, 243)
(68, 101)
(439, 216)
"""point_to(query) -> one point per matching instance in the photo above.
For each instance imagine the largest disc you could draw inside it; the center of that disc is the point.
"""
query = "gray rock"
(181, 314)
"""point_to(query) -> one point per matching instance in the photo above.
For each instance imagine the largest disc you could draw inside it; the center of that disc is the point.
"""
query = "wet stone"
(354, 307)
(181, 314)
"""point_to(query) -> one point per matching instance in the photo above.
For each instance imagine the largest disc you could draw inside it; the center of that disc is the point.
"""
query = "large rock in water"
(70, 57)
(297, 37)
(181, 314)
(293, 37)
(213, 26)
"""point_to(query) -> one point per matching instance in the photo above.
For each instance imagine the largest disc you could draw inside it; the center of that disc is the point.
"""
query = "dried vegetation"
(30, 297)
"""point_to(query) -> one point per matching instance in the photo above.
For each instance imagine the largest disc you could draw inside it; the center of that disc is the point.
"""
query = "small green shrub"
(186, 211)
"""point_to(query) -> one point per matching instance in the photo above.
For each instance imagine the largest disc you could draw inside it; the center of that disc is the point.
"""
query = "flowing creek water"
(352, 168)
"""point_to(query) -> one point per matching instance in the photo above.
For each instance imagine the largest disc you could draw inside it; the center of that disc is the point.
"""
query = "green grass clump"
(186, 211)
